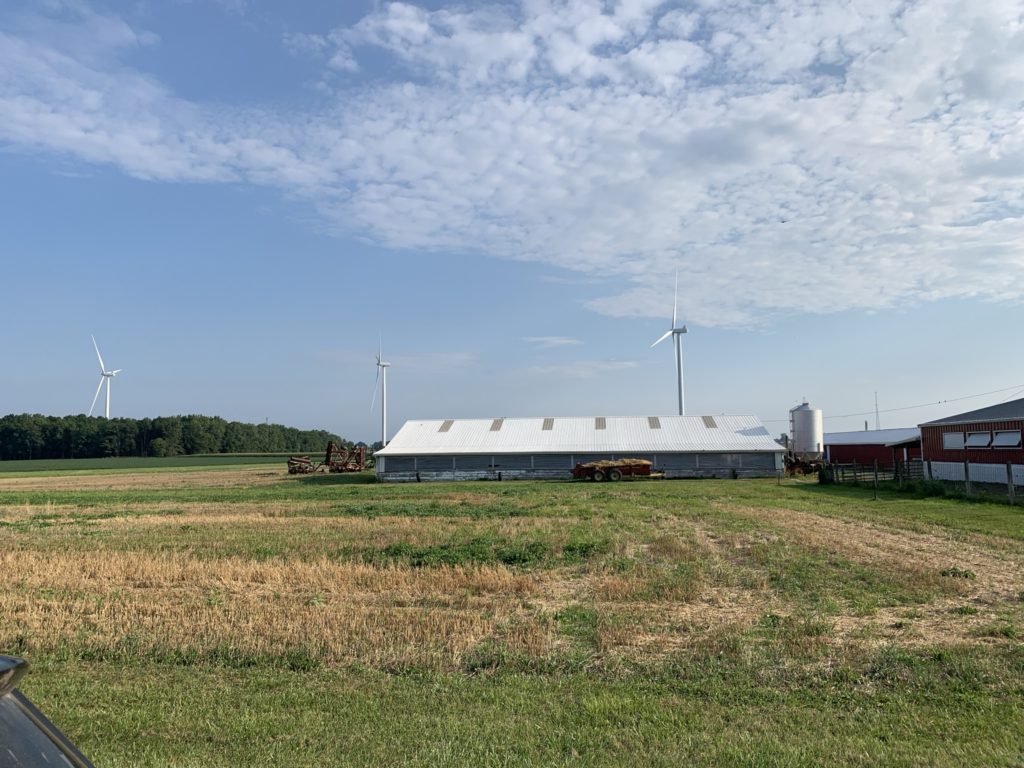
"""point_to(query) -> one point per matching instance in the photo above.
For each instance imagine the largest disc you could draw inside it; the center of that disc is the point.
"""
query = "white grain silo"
(807, 431)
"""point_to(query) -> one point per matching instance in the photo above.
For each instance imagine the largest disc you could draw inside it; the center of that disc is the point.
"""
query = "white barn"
(548, 448)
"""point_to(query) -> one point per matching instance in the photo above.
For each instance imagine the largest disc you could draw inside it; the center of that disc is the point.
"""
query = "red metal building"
(886, 446)
(986, 436)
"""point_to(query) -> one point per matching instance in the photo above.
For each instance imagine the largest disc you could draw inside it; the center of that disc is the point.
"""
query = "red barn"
(988, 438)
(886, 446)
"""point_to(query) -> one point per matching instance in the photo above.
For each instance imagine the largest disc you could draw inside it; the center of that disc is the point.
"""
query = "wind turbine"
(676, 334)
(382, 377)
(106, 376)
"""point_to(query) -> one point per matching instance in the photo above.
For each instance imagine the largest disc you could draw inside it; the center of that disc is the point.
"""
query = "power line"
(1019, 387)
(1019, 391)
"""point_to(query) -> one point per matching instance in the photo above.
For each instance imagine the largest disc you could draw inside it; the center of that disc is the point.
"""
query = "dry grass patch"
(336, 613)
(220, 478)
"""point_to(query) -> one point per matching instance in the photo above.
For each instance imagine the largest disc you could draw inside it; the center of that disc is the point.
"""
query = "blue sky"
(236, 197)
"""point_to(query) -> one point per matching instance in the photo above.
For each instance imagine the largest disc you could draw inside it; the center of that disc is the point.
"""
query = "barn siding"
(558, 466)
(931, 443)
(868, 453)
(411, 477)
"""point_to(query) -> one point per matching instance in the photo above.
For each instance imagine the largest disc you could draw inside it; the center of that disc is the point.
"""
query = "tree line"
(34, 436)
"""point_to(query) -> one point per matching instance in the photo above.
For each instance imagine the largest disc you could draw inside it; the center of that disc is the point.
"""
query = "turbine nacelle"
(669, 332)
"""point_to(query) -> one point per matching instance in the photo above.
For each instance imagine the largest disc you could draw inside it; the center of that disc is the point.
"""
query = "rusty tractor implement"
(337, 459)
(599, 471)
(301, 465)
(796, 465)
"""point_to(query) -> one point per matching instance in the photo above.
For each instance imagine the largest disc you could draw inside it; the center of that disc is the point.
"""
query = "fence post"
(930, 469)
(1009, 483)
(967, 477)
(876, 479)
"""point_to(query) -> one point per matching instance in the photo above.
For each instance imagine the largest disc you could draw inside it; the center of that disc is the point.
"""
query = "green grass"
(620, 631)
(894, 508)
(38, 467)
(358, 494)
(891, 708)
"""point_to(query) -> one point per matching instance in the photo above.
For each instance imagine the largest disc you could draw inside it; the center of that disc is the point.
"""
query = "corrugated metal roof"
(999, 412)
(873, 436)
(579, 435)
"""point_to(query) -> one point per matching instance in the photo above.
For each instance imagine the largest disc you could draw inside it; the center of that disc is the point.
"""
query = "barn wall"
(868, 453)
(558, 466)
(931, 443)
(411, 477)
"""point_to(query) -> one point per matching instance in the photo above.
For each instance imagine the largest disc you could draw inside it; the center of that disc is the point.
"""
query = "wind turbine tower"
(106, 376)
(677, 338)
(382, 377)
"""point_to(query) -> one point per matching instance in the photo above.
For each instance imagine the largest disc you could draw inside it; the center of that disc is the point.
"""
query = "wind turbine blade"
(116, 371)
(96, 396)
(102, 367)
(376, 381)
(675, 301)
(662, 338)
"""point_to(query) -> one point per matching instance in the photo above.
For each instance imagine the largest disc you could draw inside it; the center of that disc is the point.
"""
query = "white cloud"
(547, 342)
(801, 158)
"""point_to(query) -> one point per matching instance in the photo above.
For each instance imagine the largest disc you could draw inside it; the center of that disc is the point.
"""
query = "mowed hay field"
(239, 616)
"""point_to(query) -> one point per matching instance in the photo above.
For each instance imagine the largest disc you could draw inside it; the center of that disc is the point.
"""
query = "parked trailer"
(599, 471)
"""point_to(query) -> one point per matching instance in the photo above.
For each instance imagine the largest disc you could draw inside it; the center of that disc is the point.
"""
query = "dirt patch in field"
(657, 629)
(983, 573)
(226, 478)
(937, 623)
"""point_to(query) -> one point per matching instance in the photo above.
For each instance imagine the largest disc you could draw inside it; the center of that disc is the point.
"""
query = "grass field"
(138, 464)
(241, 616)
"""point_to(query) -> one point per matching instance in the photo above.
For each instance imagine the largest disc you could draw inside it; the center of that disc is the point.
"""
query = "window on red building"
(978, 440)
(953, 441)
(1007, 439)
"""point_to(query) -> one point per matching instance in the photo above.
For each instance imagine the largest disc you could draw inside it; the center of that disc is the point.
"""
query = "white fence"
(978, 473)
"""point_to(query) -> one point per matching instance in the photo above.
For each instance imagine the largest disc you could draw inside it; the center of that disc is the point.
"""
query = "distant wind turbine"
(382, 377)
(676, 334)
(106, 376)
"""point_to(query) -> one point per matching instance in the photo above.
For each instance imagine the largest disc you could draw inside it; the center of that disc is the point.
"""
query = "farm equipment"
(599, 471)
(337, 459)
(301, 465)
(797, 465)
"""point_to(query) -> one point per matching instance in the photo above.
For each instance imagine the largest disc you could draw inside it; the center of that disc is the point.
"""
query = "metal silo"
(807, 431)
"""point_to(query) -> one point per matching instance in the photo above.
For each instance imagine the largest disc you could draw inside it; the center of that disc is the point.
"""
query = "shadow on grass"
(339, 478)
(863, 491)
(890, 491)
